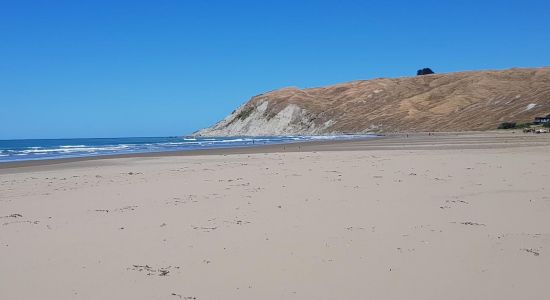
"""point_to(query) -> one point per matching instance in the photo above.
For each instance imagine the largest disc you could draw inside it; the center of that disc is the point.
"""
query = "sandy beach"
(449, 216)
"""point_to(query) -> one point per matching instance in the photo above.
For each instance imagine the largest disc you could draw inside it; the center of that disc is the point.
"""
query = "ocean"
(37, 149)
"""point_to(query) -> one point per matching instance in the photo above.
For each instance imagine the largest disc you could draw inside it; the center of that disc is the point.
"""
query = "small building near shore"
(542, 120)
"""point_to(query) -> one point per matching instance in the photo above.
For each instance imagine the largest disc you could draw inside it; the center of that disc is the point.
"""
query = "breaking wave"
(17, 150)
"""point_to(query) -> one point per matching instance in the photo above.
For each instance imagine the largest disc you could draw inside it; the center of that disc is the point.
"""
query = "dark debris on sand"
(151, 271)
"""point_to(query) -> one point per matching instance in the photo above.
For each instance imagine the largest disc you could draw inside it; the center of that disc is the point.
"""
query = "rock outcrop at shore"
(439, 102)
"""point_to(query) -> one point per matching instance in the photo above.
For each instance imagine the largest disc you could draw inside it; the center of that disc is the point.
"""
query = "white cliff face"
(254, 122)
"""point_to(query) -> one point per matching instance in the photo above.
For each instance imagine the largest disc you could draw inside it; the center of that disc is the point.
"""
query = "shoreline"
(391, 141)
(259, 148)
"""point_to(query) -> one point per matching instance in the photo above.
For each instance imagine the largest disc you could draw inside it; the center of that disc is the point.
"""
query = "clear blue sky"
(159, 68)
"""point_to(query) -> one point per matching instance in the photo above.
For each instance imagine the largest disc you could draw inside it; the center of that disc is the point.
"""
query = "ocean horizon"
(42, 149)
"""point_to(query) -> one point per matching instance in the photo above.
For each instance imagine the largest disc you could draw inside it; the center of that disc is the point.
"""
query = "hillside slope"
(440, 102)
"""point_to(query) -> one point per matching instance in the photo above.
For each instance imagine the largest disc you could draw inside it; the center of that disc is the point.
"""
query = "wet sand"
(450, 216)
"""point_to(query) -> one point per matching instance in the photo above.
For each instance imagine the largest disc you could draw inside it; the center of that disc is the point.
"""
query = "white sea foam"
(82, 150)
(61, 149)
(72, 146)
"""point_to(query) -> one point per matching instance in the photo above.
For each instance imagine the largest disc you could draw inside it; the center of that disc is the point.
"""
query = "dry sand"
(424, 217)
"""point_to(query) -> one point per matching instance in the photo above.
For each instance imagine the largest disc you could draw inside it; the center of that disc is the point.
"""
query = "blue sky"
(160, 68)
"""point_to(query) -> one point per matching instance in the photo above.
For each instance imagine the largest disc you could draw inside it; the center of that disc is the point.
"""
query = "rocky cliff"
(439, 102)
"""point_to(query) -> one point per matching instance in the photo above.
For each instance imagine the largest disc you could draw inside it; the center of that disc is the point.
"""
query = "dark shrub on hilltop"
(425, 71)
